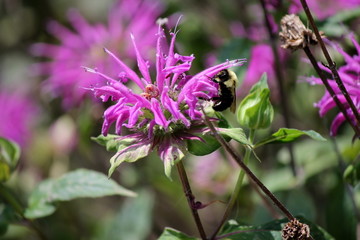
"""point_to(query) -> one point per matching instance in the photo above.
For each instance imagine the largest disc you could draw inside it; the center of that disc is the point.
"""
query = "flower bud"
(255, 110)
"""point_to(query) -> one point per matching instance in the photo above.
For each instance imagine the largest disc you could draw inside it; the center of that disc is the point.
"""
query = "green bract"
(255, 110)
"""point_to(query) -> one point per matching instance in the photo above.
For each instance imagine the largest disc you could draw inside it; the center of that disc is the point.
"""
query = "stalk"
(237, 188)
(247, 171)
(190, 198)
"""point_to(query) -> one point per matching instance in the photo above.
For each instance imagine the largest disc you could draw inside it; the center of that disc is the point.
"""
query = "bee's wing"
(233, 104)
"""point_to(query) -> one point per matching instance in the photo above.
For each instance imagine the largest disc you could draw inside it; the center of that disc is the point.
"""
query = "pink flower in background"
(83, 46)
(261, 61)
(165, 109)
(18, 114)
(350, 75)
(212, 174)
(324, 8)
(256, 31)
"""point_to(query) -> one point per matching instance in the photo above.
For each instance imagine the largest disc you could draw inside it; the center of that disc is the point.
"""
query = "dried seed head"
(294, 35)
(295, 230)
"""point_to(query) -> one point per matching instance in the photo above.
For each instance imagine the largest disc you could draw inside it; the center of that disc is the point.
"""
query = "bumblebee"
(227, 81)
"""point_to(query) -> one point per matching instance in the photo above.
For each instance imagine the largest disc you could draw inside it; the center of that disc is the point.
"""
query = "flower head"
(17, 117)
(83, 47)
(166, 109)
(350, 76)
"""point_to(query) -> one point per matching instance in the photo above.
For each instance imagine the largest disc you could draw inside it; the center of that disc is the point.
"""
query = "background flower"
(18, 114)
(83, 46)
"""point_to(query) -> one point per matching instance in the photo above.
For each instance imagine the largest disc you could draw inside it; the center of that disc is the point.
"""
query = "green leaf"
(7, 216)
(289, 135)
(9, 157)
(269, 231)
(126, 147)
(352, 174)
(255, 110)
(235, 133)
(199, 148)
(246, 232)
(210, 143)
(172, 234)
(113, 142)
(129, 154)
(77, 184)
(132, 221)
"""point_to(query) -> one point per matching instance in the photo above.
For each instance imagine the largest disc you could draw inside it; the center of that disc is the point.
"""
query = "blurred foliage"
(325, 191)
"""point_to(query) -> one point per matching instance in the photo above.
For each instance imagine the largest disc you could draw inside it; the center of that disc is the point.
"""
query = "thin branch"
(329, 89)
(248, 172)
(190, 198)
(332, 67)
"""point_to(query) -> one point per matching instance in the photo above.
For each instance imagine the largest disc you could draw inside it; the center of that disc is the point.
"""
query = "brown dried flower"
(295, 230)
(294, 35)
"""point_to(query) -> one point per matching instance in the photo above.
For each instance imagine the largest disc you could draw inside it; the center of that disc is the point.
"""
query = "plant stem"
(237, 188)
(190, 198)
(10, 199)
(280, 83)
(329, 89)
(247, 171)
(332, 67)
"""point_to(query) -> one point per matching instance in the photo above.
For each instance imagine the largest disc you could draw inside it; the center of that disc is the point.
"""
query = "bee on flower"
(164, 111)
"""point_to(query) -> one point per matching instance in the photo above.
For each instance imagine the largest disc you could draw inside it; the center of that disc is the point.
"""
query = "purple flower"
(256, 30)
(324, 8)
(261, 61)
(83, 46)
(163, 111)
(350, 76)
(17, 117)
(211, 174)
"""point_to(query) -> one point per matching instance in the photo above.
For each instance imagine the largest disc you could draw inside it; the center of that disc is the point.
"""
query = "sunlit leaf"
(235, 133)
(172, 234)
(129, 154)
(289, 135)
(113, 142)
(9, 157)
(77, 184)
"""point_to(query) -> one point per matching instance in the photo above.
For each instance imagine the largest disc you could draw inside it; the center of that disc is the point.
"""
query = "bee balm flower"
(83, 47)
(164, 112)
